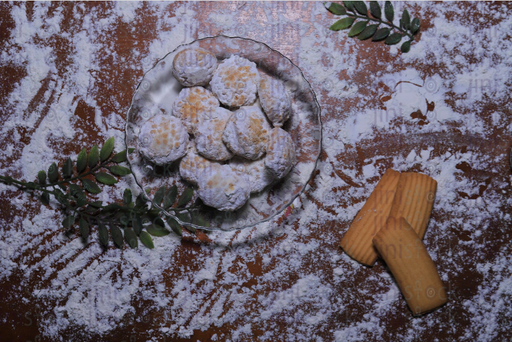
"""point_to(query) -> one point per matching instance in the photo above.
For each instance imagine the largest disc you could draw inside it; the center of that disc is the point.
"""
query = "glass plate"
(157, 92)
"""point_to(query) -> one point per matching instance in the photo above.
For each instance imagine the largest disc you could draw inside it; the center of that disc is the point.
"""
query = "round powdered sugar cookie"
(280, 156)
(235, 82)
(192, 105)
(193, 166)
(209, 135)
(225, 190)
(274, 99)
(163, 139)
(259, 176)
(194, 66)
(246, 133)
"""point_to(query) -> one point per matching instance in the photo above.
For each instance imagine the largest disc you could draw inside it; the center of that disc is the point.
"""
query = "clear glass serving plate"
(157, 92)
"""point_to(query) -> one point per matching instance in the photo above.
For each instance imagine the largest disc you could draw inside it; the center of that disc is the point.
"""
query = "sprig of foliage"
(365, 30)
(130, 221)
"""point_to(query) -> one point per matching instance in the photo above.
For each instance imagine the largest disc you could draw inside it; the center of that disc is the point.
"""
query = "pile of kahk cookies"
(392, 224)
(226, 126)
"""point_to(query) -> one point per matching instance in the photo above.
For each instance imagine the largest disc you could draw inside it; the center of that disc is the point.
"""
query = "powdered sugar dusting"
(442, 109)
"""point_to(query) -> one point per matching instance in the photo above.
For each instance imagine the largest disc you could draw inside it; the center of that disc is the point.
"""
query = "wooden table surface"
(98, 111)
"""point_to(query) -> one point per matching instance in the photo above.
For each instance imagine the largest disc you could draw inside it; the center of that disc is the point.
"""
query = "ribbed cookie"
(357, 241)
(411, 265)
(414, 200)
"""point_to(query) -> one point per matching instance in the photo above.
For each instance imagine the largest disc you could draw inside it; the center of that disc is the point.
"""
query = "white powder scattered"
(303, 288)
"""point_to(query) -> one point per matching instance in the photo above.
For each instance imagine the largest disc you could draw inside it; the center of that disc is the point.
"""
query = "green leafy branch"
(358, 10)
(128, 221)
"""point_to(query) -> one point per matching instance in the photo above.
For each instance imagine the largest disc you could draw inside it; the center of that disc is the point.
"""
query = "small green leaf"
(81, 161)
(170, 196)
(103, 233)
(107, 149)
(415, 26)
(117, 236)
(90, 210)
(342, 24)
(349, 5)
(67, 168)
(41, 177)
(84, 229)
(190, 229)
(94, 156)
(159, 195)
(131, 150)
(131, 238)
(78, 195)
(53, 173)
(175, 226)
(200, 220)
(357, 28)
(119, 157)
(90, 186)
(137, 224)
(111, 207)
(146, 240)
(31, 185)
(97, 204)
(127, 196)
(123, 218)
(406, 19)
(375, 9)
(389, 11)
(158, 221)
(74, 189)
(381, 34)
(393, 39)
(45, 198)
(183, 216)
(61, 198)
(368, 32)
(337, 9)
(105, 178)
(360, 6)
(157, 230)
(140, 201)
(68, 221)
(119, 170)
(406, 46)
(186, 196)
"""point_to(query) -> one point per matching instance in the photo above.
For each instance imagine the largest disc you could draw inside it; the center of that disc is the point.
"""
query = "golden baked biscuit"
(235, 82)
(209, 135)
(259, 176)
(192, 105)
(225, 189)
(163, 139)
(357, 241)
(193, 165)
(246, 133)
(194, 66)
(411, 265)
(280, 153)
(274, 99)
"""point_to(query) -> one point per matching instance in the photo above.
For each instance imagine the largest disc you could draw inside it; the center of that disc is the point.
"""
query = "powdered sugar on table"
(442, 109)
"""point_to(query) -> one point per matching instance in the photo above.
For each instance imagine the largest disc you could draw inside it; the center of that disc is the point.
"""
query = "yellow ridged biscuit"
(413, 201)
(411, 265)
(357, 242)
